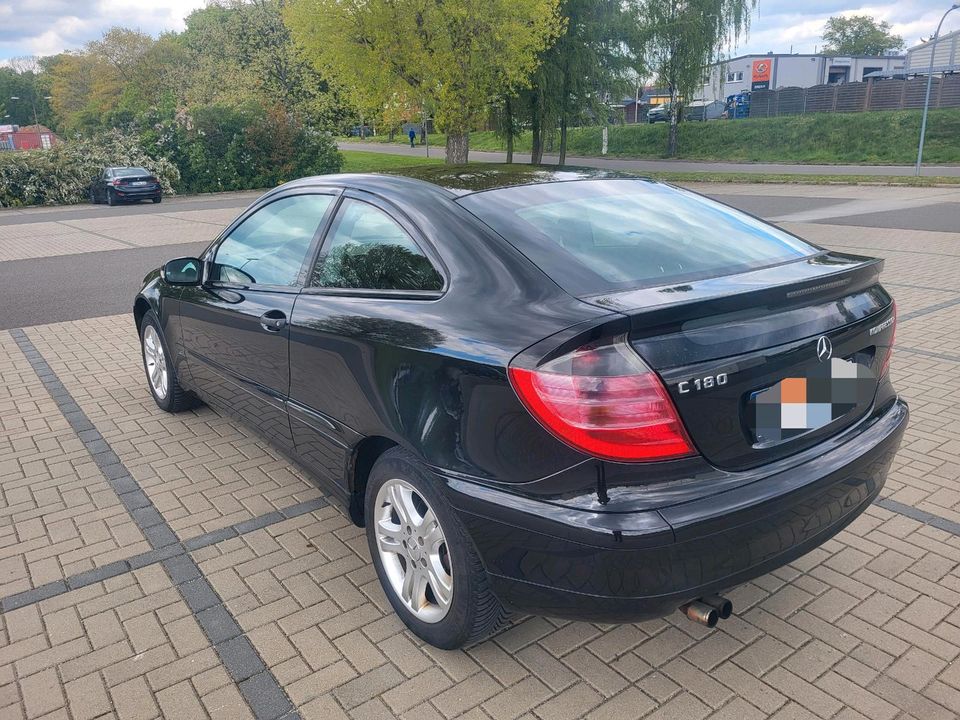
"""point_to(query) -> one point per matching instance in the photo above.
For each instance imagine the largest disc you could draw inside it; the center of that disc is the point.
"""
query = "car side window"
(269, 247)
(367, 249)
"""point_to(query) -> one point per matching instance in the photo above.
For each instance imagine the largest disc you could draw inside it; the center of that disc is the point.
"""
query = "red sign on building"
(760, 77)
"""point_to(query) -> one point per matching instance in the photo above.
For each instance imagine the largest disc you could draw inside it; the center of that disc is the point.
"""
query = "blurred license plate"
(797, 405)
(139, 182)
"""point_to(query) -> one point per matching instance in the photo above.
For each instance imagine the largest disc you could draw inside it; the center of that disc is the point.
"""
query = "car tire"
(92, 194)
(439, 548)
(161, 376)
(111, 198)
(157, 200)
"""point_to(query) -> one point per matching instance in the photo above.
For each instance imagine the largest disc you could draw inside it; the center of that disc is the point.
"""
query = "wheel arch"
(140, 308)
(365, 454)
(150, 297)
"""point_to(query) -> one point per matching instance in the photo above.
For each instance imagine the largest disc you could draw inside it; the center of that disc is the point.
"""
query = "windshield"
(598, 236)
(126, 171)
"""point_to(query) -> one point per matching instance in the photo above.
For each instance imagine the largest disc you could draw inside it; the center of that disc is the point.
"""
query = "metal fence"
(874, 94)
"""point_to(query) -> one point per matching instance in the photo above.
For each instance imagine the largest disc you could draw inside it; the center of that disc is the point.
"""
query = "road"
(668, 165)
(68, 263)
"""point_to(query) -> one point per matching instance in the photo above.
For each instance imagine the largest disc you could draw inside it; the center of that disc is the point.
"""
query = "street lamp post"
(33, 106)
(36, 119)
(926, 100)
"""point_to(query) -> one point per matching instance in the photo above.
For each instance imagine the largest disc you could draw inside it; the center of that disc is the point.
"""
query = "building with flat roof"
(774, 71)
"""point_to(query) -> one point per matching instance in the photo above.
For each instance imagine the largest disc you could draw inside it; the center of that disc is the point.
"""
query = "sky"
(46, 27)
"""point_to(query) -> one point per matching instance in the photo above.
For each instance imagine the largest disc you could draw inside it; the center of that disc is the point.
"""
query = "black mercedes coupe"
(563, 392)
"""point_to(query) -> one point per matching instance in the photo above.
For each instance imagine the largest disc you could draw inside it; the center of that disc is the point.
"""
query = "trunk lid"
(137, 180)
(718, 343)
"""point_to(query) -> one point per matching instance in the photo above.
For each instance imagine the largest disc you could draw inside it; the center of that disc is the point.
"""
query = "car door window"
(367, 249)
(269, 247)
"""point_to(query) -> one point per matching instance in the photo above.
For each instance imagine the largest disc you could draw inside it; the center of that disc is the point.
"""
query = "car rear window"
(126, 171)
(599, 236)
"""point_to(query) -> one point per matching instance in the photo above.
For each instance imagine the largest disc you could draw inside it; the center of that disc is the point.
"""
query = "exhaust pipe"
(708, 610)
(701, 613)
(723, 606)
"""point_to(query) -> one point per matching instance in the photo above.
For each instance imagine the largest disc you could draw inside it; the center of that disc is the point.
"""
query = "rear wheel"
(157, 199)
(92, 195)
(111, 198)
(161, 376)
(426, 562)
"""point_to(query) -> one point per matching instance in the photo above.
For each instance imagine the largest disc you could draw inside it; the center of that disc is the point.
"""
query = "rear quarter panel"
(431, 374)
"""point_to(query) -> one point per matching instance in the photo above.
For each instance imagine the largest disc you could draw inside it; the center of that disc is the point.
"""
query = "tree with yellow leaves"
(459, 54)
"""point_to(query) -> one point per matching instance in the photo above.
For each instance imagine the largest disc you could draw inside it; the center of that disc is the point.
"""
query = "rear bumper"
(138, 193)
(605, 567)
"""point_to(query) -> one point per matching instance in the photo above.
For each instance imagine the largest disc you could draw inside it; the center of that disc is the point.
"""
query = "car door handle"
(273, 321)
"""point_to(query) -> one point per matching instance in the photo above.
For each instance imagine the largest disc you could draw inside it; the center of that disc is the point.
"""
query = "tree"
(684, 37)
(507, 121)
(113, 75)
(24, 80)
(540, 106)
(593, 60)
(123, 49)
(135, 72)
(232, 52)
(243, 50)
(859, 35)
(85, 90)
(459, 54)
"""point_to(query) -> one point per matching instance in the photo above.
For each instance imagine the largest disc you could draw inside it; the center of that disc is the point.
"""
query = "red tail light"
(885, 366)
(603, 400)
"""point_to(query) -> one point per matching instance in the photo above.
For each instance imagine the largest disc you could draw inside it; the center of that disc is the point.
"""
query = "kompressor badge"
(882, 326)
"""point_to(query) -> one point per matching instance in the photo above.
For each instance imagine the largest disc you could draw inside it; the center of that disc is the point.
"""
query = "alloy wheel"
(155, 361)
(413, 551)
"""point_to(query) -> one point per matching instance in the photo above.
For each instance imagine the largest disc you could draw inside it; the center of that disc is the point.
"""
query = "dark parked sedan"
(125, 184)
(559, 392)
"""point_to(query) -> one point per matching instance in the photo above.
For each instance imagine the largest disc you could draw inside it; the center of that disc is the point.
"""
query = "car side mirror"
(182, 271)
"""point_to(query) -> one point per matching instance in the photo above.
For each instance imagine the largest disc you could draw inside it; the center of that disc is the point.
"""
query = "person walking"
(413, 136)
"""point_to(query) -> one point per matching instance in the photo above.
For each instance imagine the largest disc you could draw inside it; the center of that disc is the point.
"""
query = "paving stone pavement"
(66, 237)
(178, 567)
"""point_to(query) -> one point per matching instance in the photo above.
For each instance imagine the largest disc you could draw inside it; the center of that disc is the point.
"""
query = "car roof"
(456, 180)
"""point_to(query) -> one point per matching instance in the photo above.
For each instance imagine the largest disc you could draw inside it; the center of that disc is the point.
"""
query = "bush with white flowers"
(63, 174)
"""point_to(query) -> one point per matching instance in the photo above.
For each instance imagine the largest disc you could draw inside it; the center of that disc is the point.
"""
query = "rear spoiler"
(807, 281)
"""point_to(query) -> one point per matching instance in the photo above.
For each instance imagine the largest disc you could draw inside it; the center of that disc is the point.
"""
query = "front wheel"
(426, 562)
(161, 376)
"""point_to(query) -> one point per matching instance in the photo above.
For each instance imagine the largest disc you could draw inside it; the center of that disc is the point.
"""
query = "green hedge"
(207, 149)
(63, 174)
(219, 147)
